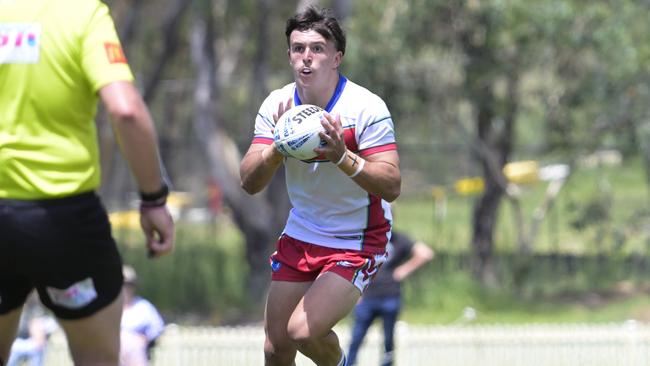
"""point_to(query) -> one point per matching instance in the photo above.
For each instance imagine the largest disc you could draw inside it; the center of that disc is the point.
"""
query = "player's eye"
(298, 48)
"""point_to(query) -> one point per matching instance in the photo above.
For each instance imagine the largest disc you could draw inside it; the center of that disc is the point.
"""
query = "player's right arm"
(258, 166)
(261, 160)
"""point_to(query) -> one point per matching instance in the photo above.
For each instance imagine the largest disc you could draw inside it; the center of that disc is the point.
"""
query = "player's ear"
(338, 58)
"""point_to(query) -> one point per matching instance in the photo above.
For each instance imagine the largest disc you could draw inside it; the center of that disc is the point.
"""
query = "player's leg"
(8, 328)
(95, 340)
(283, 296)
(390, 309)
(329, 299)
(364, 315)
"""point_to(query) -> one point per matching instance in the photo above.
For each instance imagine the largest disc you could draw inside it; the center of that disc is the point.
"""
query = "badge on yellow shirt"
(114, 53)
(20, 43)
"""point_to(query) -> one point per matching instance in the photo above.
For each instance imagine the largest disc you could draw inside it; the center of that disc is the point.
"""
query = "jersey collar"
(337, 94)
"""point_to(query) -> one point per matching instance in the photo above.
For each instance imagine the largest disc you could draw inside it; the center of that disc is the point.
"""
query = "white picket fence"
(626, 344)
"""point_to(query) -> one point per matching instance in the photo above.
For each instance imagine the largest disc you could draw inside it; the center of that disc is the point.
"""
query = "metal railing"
(626, 344)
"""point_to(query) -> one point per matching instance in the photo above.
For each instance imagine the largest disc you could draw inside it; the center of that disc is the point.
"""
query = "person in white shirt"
(141, 324)
(336, 234)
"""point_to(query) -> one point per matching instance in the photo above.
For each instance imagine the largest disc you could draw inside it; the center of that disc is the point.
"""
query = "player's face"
(312, 57)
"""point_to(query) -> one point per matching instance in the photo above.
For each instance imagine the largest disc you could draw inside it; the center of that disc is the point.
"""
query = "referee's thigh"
(8, 328)
(95, 340)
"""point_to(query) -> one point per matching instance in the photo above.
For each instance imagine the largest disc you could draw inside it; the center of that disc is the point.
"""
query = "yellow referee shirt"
(54, 57)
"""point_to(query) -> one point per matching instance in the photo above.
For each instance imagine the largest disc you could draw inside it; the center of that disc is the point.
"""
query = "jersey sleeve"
(102, 57)
(264, 123)
(377, 130)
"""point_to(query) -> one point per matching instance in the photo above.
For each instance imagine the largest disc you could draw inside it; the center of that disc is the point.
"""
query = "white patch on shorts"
(76, 296)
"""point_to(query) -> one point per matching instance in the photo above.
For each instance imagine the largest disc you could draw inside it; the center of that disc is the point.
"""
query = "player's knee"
(303, 333)
(275, 354)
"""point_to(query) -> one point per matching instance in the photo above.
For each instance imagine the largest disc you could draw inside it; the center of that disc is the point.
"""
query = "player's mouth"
(305, 71)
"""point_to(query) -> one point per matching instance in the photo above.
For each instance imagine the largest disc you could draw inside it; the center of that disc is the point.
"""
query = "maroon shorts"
(299, 261)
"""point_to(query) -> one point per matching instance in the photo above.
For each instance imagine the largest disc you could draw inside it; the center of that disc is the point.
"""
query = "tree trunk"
(254, 215)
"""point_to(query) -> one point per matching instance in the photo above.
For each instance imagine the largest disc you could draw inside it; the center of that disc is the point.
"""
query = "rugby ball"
(296, 131)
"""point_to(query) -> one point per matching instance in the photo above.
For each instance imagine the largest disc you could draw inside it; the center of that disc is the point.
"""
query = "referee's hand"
(158, 228)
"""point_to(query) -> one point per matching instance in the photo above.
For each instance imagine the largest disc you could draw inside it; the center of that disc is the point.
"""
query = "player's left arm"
(378, 173)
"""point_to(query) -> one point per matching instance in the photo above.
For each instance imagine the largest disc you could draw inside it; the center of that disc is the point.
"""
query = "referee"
(57, 59)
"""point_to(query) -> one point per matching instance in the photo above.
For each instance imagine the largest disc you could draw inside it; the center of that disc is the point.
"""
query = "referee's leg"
(8, 328)
(95, 340)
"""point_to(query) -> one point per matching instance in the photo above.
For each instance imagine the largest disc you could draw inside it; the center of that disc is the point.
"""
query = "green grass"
(446, 299)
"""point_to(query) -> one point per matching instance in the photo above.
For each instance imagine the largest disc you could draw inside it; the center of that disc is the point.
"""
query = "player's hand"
(334, 147)
(158, 227)
(283, 107)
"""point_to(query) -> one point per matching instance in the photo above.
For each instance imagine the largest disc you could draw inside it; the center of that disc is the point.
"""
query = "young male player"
(335, 237)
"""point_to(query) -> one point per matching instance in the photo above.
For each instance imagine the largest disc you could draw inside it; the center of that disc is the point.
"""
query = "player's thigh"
(283, 297)
(95, 340)
(329, 299)
(8, 327)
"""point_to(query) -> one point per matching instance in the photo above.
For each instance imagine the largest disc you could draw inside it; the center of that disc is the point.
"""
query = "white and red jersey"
(329, 208)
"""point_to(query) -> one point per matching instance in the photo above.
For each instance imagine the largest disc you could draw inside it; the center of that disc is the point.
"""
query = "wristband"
(146, 206)
(345, 154)
(359, 168)
(155, 199)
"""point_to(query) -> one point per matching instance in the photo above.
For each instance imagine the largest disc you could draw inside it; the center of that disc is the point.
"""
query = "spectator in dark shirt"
(382, 298)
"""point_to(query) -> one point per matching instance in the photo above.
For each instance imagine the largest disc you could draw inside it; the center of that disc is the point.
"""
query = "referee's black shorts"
(63, 248)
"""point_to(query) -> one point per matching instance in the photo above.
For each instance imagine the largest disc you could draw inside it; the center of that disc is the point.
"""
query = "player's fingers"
(283, 107)
(277, 115)
(326, 122)
(336, 122)
(161, 243)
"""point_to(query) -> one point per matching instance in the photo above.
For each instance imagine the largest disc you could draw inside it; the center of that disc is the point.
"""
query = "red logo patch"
(114, 53)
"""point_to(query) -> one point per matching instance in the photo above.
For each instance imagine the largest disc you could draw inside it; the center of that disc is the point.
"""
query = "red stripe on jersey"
(374, 236)
(262, 140)
(349, 136)
(378, 149)
(350, 142)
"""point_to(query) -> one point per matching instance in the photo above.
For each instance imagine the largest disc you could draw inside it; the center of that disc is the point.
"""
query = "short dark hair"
(321, 21)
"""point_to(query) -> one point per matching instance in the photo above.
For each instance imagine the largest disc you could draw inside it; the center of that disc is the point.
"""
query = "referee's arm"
(135, 132)
(136, 136)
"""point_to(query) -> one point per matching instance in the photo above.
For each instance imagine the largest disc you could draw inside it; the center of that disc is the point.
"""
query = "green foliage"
(204, 277)
(622, 188)
(203, 280)
(594, 289)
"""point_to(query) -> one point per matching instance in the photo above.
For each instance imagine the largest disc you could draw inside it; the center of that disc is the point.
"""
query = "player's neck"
(317, 94)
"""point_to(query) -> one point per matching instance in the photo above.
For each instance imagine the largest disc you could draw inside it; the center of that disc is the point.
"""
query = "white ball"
(296, 131)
